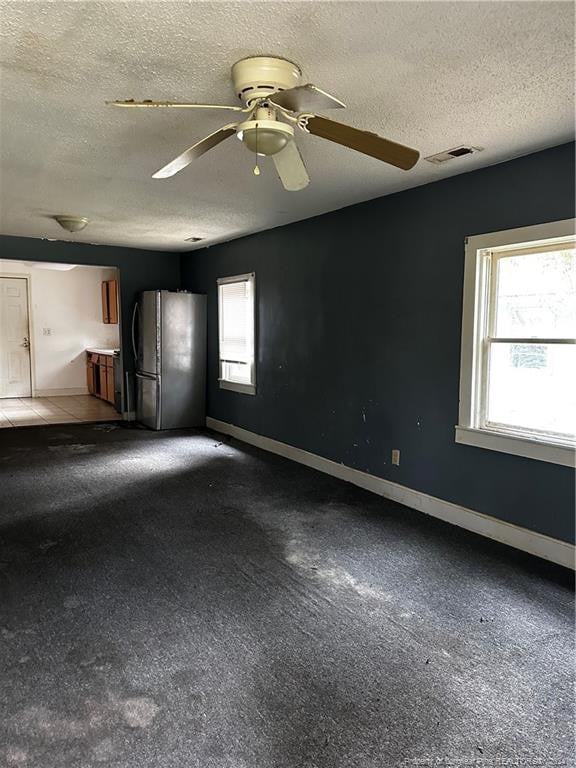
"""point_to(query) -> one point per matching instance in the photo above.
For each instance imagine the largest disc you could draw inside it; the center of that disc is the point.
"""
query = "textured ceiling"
(432, 75)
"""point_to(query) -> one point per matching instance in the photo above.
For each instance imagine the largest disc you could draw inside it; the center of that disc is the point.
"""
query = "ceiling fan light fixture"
(263, 141)
(265, 137)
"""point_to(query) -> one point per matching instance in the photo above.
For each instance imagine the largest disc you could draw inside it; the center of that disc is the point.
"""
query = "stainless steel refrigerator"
(169, 340)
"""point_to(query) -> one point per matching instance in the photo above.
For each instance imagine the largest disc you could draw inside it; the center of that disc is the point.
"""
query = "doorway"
(60, 358)
(15, 360)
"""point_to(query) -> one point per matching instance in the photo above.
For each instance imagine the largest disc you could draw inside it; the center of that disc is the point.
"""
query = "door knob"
(26, 343)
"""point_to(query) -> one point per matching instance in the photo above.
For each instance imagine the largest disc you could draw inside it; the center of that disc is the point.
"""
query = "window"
(518, 365)
(236, 333)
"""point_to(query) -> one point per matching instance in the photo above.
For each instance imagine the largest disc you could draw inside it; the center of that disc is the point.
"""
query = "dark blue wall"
(139, 270)
(359, 315)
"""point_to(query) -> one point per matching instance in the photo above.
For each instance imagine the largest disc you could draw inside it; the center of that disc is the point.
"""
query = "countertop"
(97, 351)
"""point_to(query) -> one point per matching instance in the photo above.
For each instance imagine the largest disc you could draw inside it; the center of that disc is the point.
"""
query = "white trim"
(518, 446)
(528, 340)
(524, 236)
(236, 278)
(236, 386)
(538, 544)
(477, 335)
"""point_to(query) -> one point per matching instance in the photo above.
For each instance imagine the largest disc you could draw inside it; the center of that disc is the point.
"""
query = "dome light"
(265, 137)
(71, 223)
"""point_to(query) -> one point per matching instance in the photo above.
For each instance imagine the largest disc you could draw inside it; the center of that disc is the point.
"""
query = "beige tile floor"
(33, 411)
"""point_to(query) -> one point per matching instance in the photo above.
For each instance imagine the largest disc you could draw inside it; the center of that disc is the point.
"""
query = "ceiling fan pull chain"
(256, 167)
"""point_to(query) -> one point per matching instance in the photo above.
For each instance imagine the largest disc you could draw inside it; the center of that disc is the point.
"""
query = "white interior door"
(14, 338)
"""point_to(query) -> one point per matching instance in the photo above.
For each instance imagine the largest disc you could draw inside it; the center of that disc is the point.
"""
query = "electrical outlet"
(47, 331)
(396, 457)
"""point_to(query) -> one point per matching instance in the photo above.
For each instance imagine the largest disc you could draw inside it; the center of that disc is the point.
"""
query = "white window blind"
(236, 332)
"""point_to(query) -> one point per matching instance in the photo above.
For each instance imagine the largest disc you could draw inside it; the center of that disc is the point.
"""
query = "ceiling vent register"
(452, 154)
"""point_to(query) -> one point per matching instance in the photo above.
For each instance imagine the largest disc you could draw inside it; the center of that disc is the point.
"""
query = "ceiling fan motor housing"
(260, 76)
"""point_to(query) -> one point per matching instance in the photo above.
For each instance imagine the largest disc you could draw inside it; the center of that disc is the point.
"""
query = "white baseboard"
(61, 392)
(538, 544)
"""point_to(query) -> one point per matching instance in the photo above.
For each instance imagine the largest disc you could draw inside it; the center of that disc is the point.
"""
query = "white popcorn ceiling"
(432, 75)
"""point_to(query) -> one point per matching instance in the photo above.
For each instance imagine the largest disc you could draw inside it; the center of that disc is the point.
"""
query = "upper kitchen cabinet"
(110, 301)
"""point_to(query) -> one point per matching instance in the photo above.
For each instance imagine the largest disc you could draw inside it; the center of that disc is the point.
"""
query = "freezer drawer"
(148, 401)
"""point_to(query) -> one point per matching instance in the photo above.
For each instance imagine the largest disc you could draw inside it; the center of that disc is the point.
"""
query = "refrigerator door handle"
(134, 313)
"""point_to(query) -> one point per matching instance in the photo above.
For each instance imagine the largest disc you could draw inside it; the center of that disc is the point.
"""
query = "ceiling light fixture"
(71, 223)
(265, 137)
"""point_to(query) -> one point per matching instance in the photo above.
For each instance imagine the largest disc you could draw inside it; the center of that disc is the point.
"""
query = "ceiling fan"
(274, 104)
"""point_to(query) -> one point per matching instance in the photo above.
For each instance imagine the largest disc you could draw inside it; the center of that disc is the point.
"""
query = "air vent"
(193, 239)
(452, 154)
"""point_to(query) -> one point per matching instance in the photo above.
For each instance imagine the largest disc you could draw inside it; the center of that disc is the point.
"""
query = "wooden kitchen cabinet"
(100, 376)
(91, 374)
(109, 379)
(102, 385)
(110, 301)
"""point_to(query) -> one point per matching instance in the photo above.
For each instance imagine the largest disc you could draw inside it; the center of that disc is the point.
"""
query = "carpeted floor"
(175, 601)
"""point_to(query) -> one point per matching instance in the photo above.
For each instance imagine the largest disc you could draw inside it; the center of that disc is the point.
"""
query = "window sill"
(554, 453)
(236, 386)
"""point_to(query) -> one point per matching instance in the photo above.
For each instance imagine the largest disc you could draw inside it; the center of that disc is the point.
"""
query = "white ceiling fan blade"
(291, 168)
(173, 105)
(305, 97)
(195, 151)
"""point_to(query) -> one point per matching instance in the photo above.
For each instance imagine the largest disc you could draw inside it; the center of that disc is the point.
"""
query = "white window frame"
(236, 386)
(471, 429)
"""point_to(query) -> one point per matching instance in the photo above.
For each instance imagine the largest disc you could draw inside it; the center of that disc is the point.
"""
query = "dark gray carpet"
(174, 601)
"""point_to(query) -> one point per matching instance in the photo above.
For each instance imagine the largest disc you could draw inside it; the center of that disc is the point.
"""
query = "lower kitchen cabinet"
(100, 376)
